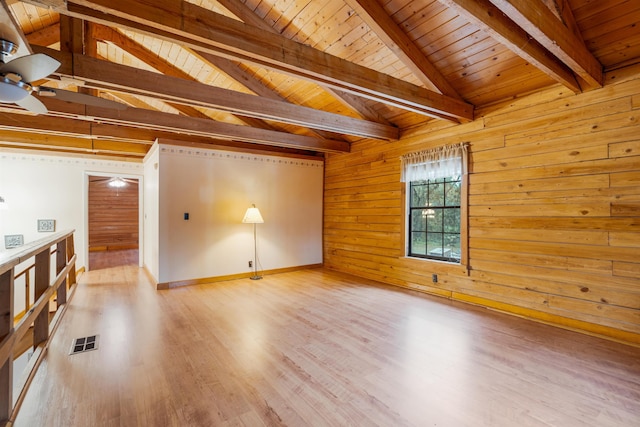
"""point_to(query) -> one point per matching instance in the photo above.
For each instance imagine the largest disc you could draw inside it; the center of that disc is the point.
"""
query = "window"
(435, 203)
(434, 218)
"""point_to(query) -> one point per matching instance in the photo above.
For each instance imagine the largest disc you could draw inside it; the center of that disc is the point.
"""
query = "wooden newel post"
(6, 326)
(43, 276)
(61, 262)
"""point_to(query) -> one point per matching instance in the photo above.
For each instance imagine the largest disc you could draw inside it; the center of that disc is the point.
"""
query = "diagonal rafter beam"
(139, 51)
(487, 17)
(562, 10)
(200, 29)
(46, 36)
(105, 75)
(233, 70)
(374, 15)
(108, 34)
(539, 21)
(249, 16)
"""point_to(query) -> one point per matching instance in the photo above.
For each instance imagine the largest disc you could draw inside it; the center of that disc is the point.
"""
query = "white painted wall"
(151, 228)
(216, 188)
(45, 186)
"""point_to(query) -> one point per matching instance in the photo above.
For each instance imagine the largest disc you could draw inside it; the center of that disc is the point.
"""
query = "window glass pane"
(436, 192)
(418, 220)
(434, 244)
(440, 252)
(418, 194)
(452, 220)
(453, 242)
(452, 193)
(434, 220)
(418, 244)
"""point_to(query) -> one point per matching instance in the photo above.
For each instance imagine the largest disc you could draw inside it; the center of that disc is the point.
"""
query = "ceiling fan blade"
(31, 67)
(33, 104)
(80, 98)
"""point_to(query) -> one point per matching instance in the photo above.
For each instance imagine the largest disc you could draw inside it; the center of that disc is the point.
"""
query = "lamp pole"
(255, 255)
(252, 216)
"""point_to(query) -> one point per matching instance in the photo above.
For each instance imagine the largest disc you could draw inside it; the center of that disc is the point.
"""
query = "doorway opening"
(113, 221)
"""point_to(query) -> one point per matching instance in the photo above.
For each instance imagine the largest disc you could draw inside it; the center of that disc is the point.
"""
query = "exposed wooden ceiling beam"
(562, 10)
(27, 141)
(66, 134)
(108, 34)
(245, 14)
(136, 102)
(200, 29)
(374, 15)
(233, 70)
(109, 76)
(173, 123)
(360, 106)
(72, 35)
(537, 20)
(43, 141)
(486, 16)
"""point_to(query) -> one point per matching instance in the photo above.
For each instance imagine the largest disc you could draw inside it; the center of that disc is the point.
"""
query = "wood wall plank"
(554, 209)
(113, 215)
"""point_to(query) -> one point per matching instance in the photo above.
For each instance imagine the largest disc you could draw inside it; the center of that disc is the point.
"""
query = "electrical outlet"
(434, 278)
(250, 264)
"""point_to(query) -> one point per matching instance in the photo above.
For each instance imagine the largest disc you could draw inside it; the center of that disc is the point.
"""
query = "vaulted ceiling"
(300, 76)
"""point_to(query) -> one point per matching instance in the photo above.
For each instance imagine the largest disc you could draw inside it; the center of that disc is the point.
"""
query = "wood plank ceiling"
(301, 76)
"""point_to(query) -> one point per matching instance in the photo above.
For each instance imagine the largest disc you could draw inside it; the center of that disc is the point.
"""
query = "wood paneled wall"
(554, 209)
(113, 215)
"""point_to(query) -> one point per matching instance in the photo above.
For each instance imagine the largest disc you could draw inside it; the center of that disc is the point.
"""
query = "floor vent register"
(84, 344)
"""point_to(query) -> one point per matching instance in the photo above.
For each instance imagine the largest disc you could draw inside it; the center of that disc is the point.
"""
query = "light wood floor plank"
(317, 348)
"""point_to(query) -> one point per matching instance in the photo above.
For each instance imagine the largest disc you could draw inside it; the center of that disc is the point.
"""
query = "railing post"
(61, 262)
(70, 253)
(6, 326)
(43, 275)
(27, 291)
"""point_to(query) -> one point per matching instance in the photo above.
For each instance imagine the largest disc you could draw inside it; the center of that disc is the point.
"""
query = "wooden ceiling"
(300, 76)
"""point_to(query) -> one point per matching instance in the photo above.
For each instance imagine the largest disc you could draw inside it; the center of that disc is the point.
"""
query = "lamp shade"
(252, 216)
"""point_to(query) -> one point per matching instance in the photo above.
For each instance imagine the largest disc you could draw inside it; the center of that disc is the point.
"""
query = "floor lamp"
(252, 216)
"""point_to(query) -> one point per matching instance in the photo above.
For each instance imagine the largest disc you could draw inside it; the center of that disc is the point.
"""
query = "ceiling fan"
(17, 77)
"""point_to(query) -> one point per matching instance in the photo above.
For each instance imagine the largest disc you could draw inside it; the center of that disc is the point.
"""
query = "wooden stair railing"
(27, 289)
(37, 315)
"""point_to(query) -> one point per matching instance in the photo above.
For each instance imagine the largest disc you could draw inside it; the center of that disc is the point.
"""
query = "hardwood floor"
(99, 260)
(316, 348)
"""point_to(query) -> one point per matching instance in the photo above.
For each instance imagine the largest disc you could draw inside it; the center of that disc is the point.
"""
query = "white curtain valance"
(449, 160)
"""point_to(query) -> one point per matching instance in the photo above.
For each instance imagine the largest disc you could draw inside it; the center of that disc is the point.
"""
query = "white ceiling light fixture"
(117, 182)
